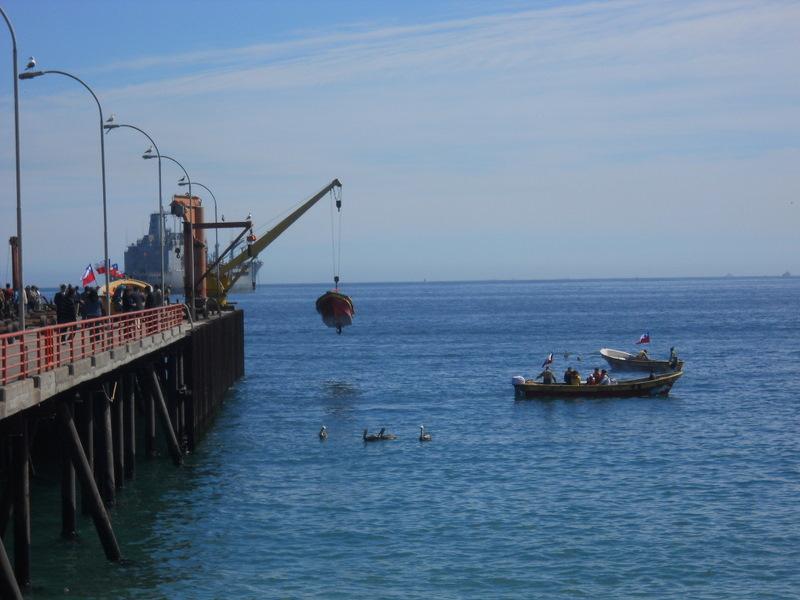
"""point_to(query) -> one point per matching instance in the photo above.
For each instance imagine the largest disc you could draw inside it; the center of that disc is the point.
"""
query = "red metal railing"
(47, 348)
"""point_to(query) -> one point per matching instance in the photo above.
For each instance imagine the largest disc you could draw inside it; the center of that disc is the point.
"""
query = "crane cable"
(336, 253)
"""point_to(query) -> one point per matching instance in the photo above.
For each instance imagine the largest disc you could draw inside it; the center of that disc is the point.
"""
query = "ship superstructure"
(142, 260)
(142, 257)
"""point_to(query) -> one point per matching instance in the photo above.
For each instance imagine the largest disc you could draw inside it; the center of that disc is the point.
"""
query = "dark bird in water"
(386, 436)
(323, 433)
(424, 436)
(371, 437)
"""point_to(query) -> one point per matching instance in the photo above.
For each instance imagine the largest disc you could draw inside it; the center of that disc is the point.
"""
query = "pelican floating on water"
(386, 436)
(424, 436)
(371, 437)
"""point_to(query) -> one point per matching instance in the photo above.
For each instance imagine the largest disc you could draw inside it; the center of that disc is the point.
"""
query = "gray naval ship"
(142, 260)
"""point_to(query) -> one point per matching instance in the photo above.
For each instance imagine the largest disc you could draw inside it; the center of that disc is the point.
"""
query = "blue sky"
(474, 140)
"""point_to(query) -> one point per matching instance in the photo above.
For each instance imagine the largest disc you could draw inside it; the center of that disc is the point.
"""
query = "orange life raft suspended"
(337, 310)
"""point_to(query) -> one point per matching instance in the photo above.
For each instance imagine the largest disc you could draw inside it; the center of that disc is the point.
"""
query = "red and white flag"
(115, 272)
(548, 360)
(644, 339)
(88, 276)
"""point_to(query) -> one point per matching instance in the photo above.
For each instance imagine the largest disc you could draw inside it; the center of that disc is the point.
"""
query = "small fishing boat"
(620, 360)
(337, 310)
(658, 385)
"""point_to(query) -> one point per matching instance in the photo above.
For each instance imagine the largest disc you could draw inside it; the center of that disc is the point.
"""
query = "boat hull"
(624, 361)
(632, 388)
(336, 309)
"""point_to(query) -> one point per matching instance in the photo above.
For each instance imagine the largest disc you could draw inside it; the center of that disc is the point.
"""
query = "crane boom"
(231, 271)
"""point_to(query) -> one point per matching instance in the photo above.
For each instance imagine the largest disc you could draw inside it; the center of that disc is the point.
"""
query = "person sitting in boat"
(568, 375)
(643, 355)
(604, 378)
(594, 378)
(547, 376)
(575, 377)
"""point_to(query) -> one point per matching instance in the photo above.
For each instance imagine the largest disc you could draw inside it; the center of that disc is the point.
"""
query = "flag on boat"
(115, 272)
(644, 339)
(99, 268)
(548, 360)
(88, 275)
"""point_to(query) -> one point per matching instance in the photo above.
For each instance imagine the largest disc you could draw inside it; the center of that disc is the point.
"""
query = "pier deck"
(94, 395)
(51, 360)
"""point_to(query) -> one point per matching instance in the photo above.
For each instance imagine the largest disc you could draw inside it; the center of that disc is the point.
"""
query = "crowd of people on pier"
(32, 299)
(573, 377)
(71, 304)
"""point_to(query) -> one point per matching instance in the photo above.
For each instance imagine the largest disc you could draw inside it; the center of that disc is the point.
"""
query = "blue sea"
(692, 496)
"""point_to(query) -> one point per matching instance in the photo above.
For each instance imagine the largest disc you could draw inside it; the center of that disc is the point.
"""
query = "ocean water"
(691, 496)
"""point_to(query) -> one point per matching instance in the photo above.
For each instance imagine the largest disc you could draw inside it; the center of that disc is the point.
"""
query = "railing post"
(23, 357)
(3, 361)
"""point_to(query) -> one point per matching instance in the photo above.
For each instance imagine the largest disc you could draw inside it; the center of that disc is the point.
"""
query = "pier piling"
(108, 486)
(166, 424)
(68, 496)
(149, 418)
(177, 374)
(8, 583)
(118, 427)
(98, 511)
(20, 472)
(86, 412)
(129, 397)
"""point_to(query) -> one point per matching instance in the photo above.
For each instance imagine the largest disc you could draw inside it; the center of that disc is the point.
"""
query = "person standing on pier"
(91, 308)
(158, 297)
(138, 299)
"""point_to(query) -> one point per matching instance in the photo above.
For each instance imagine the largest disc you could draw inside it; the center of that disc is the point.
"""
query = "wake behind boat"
(621, 360)
(656, 385)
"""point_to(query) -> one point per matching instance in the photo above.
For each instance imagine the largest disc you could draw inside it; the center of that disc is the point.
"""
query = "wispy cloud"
(475, 126)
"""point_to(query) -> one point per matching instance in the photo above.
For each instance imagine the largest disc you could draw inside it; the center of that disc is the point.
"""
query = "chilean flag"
(100, 269)
(548, 360)
(115, 272)
(88, 275)
(644, 339)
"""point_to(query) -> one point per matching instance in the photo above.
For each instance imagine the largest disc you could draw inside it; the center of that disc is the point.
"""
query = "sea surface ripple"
(692, 496)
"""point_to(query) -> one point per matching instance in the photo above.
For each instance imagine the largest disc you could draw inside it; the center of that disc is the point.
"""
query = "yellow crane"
(231, 271)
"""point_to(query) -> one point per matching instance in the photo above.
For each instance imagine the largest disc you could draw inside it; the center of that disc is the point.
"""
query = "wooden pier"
(94, 395)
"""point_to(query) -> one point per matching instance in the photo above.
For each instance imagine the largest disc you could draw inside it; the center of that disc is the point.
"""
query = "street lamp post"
(16, 154)
(191, 206)
(109, 126)
(32, 75)
(216, 231)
